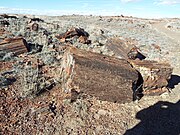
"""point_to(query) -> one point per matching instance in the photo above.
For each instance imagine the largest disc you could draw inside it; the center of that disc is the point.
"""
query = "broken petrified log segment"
(155, 75)
(16, 45)
(104, 77)
(124, 49)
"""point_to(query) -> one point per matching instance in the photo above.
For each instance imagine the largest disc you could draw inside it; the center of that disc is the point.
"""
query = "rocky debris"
(84, 40)
(157, 47)
(4, 23)
(155, 75)
(104, 77)
(124, 49)
(8, 16)
(6, 80)
(7, 75)
(5, 66)
(2, 31)
(135, 53)
(15, 45)
(37, 76)
(173, 25)
(36, 20)
(77, 33)
(33, 26)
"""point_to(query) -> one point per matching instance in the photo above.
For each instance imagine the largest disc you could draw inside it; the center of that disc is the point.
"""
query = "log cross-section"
(107, 78)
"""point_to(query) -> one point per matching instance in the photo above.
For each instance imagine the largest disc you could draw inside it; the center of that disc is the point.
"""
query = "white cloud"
(127, 1)
(57, 12)
(167, 2)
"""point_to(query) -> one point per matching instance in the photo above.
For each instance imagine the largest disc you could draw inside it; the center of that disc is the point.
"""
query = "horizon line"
(24, 11)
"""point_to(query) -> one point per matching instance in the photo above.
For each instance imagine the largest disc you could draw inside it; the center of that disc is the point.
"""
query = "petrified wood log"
(104, 77)
(124, 49)
(155, 75)
(16, 45)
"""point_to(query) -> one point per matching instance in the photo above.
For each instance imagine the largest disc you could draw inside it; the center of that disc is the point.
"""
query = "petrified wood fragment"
(104, 77)
(36, 20)
(16, 45)
(155, 75)
(75, 32)
(34, 26)
(84, 40)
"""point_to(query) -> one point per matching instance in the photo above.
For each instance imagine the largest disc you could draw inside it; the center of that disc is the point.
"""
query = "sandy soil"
(175, 36)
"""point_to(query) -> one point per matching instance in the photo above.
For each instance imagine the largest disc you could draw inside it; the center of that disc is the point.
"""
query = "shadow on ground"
(163, 118)
(175, 80)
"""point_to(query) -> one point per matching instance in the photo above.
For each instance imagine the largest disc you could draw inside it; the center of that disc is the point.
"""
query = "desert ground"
(34, 103)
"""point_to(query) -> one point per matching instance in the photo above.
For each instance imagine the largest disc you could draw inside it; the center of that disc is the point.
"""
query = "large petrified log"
(104, 77)
(155, 75)
(16, 45)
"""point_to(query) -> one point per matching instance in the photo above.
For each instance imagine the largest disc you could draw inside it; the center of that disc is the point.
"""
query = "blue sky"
(137, 8)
